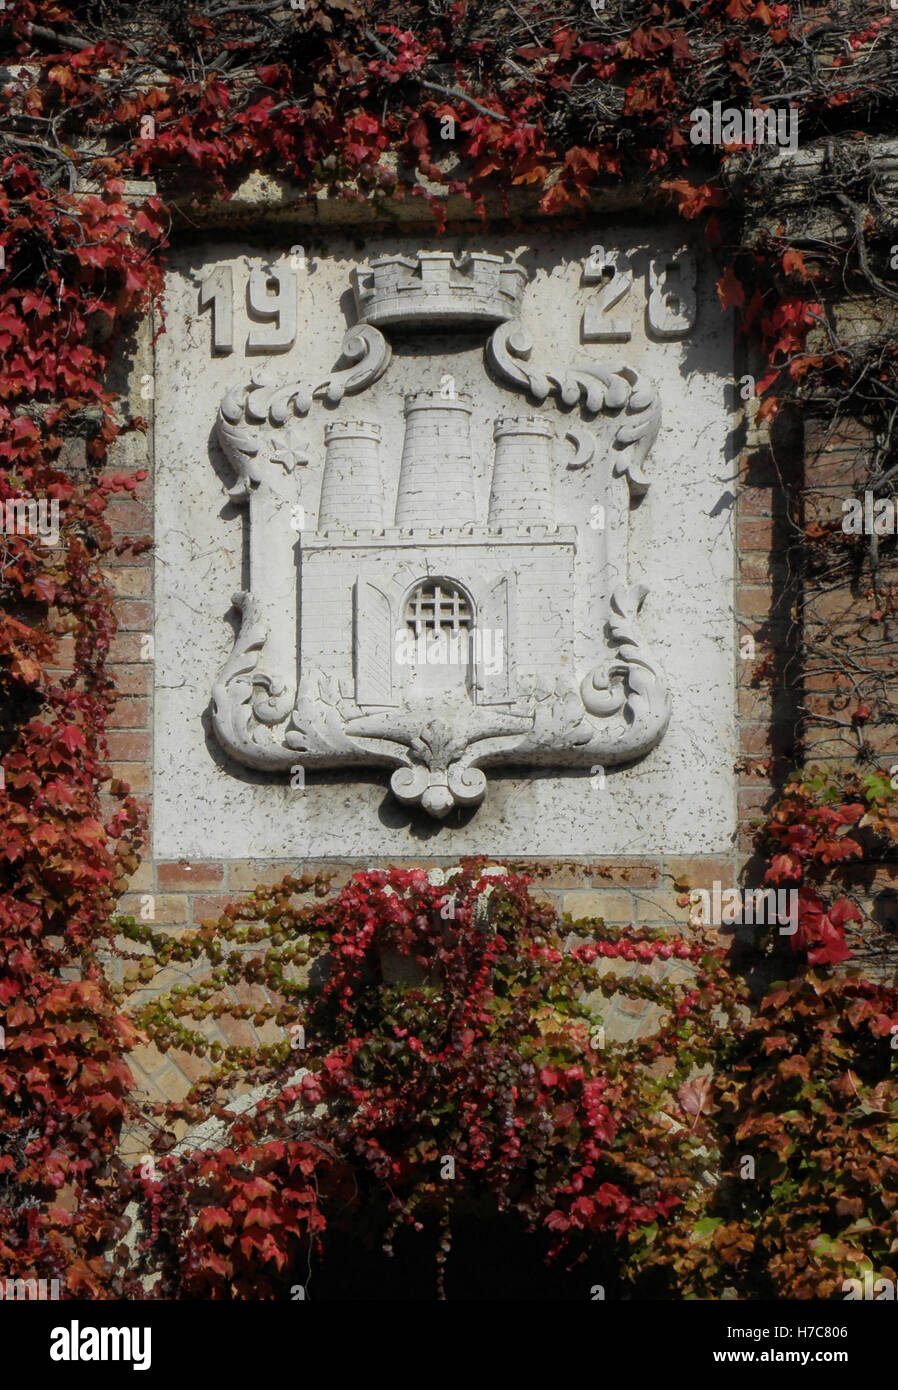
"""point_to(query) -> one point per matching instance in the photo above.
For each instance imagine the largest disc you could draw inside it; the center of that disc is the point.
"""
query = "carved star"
(288, 451)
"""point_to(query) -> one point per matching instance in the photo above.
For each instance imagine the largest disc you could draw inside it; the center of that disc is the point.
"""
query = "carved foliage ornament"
(436, 640)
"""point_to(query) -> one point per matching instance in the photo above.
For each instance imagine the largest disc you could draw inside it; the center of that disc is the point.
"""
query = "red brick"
(250, 995)
(754, 535)
(202, 874)
(133, 615)
(755, 601)
(821, 440)
(128, 517)
(560, 875)
(833, 705)
(746, 841)
(129, 713)
(167, 907)
(414, 863)
(131, 679)
(757, 501)
(128, 745)
(170, 1084)
(825, 506)
(611, 904)
(827, 680)
(141, 881)
(129, 646)
(72, 457)
(753, 803)
(754, 739)
(636, 1008)
(755, 567)
(882, 742)
(245, 875)
(206, 905)
(760, 740)
(837, 471)
(342, 873)
(660, 904)
(137, 776)
(194, 1068)
(238, 1032)
(63, 653)
(135, 582)
(699, 871)
(754, 704)
(636, 873)
(128, 560)
(837, 603)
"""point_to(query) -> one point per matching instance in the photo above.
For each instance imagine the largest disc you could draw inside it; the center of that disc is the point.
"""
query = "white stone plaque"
(443, 557)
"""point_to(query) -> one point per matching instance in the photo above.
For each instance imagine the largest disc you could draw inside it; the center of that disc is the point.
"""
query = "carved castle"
(531, 644)
(428, 564)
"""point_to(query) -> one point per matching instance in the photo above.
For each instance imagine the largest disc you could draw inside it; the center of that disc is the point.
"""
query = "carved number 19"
(280, 306)
(270, 302)
(217, 290)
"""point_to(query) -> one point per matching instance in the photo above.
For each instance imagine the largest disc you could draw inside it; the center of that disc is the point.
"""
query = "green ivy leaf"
(703, 1230)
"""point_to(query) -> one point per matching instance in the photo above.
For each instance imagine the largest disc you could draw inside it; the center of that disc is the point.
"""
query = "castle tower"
(352, 487)
(436, 479)
(521, 492)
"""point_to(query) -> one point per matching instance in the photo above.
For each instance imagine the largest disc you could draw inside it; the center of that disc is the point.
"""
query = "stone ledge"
(265, 198)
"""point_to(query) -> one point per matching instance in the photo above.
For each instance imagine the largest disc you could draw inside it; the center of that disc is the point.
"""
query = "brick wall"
(851, 641)
(850, 654)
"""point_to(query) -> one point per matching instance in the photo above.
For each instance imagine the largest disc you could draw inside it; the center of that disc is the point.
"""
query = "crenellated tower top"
(437, 289)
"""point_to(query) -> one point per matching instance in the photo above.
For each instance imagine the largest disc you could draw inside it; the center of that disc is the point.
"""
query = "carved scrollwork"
(593, 385)
(237, 697)
(273, 707)
(437, 779)
(630, 684)
(467, 784)
(413, 783)
(620, 711)
(250, 417)
(584, 447)
(438, 790)
(317, 725)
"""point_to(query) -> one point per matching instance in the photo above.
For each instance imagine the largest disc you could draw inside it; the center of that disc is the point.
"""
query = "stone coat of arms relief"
(393, 619)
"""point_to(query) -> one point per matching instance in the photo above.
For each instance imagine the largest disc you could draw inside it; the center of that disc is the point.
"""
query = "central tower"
(436, 479)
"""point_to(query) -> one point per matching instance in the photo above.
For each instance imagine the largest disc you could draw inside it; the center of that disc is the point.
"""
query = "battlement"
(436, 289)
(522, 424)
(351, 429)
(432, 400)
(420, 536)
